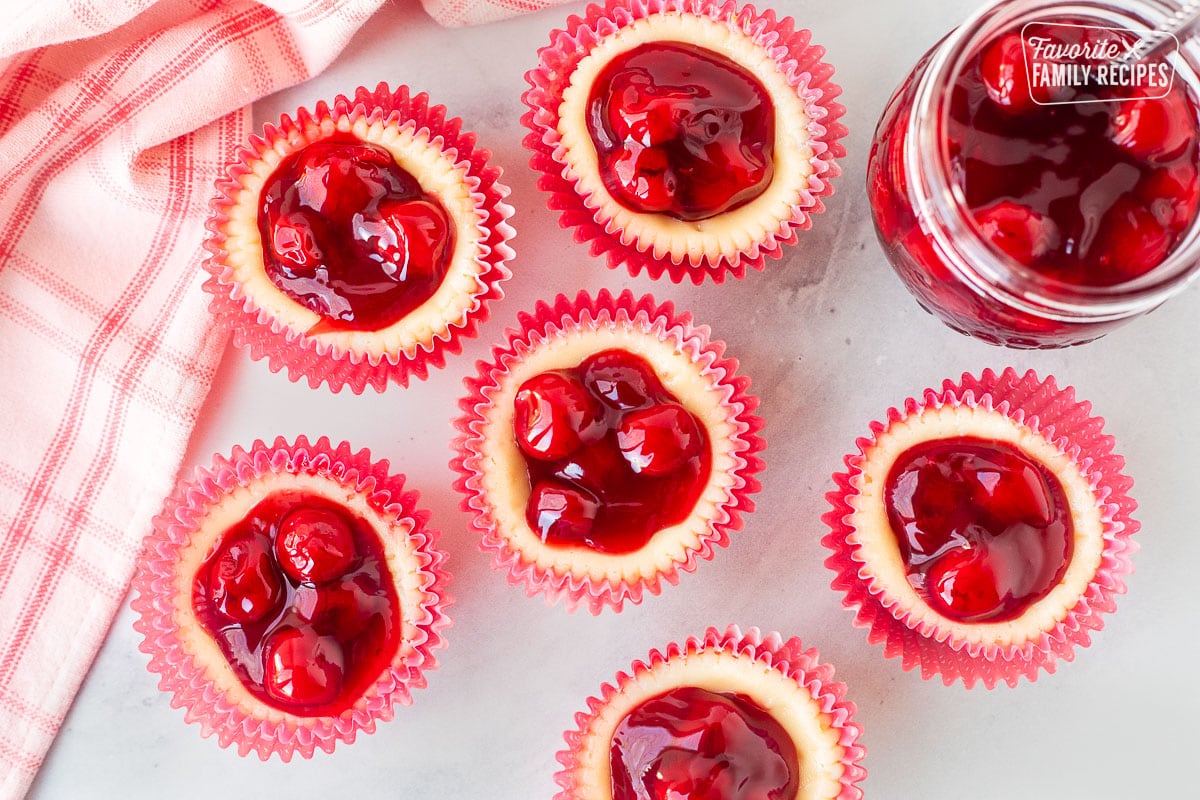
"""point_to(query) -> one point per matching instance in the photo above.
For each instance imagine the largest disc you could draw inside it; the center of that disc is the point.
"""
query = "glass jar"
(926, 228)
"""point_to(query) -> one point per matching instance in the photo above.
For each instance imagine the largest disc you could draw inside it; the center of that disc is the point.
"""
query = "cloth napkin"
(115, 118)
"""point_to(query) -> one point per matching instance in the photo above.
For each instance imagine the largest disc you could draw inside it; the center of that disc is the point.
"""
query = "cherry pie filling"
(349, 234)
(1086, 193)
(612, 456)
(694, 743)
(298, 596)
(681, 130)
(984, 530)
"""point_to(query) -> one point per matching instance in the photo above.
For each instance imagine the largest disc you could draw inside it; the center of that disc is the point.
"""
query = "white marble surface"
(830, 339)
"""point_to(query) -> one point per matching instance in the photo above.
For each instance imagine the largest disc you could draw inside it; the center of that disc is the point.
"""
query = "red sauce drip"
(682, 131)
(694, 744)
(612, 456)
(349, 234)
(299, 598)
(1086, 193)
(984, 530)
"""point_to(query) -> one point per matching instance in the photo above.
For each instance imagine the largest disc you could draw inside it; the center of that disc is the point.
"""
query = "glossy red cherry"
(411, 237)
(1156, 130)
(962, 586)
(1011, 492)
(619, 381)
(694, 743)
(599, 467)
(643, 178)
(1005, 76)
(352, 605)
(1172, 194)
(302, 668)
(659, 439)
(1017, 230)
(244, 583)
(554, 414)
(314, 545)
(562, 514)
(639, 113)
(1131, 242)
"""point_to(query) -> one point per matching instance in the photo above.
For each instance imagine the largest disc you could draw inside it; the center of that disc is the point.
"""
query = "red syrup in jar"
(350, 235)
(298, 596)
(694, 744)
(612, 456)
(1070, 202)
(1087, 193)
(681, 130)
(984, 530)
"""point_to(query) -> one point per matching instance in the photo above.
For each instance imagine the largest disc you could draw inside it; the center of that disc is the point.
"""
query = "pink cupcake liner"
(186, 681)
(318, 361)
(786, 656)
(1066, 423)
(546, 322)
(798, 59)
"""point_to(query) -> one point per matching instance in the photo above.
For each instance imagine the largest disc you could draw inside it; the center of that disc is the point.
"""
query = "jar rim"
(937, 196)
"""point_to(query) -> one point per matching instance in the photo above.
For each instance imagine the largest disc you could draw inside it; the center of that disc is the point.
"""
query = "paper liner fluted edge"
(1067, 424)
(800, 62)
(318, 361)
(645, 314)
(187, 682)
(788, 657)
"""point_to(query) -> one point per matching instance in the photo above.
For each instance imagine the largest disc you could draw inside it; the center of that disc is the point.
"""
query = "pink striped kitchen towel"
(456, 13)
(115, 118)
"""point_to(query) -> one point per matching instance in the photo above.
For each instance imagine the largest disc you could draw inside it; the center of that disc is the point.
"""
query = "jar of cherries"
(1034, 180)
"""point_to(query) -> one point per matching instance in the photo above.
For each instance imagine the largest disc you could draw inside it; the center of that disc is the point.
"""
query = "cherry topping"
(350, 235)
(245, 582)
(314, 545)
(299, 598)
(612, 456)
(1005, 75)
(554, 414)
(301, 668)
(681, 130)
(619, 382)
(562, 513)
(984, 530)
(657, 440)
(1018, 230)
(695, 743)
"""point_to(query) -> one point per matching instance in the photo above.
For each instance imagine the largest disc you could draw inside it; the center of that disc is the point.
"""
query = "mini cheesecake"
(726, 717)
(355, 243)
(689, 136)
(302, 605)
(983, 526)
(609, 446)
